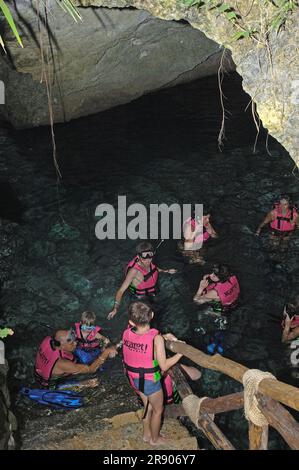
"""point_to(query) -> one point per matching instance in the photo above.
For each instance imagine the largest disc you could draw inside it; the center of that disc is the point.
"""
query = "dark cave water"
(159, 149)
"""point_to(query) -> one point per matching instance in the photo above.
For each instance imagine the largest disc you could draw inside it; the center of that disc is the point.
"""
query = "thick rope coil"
(251, 380)
(192, 405)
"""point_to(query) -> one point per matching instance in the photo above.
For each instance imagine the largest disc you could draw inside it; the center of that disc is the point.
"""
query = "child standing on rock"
(145, 364)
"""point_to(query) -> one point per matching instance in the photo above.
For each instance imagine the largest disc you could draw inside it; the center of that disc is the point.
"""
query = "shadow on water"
(161, 148)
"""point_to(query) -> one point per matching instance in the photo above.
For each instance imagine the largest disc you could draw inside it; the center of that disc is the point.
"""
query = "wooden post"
(272, 388)
(205, 423)
(258, 437)
(280, 419)
(181, 383)
(213, 433)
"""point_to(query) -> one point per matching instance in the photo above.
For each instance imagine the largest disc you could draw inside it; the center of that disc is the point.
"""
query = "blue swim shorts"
(150, 387)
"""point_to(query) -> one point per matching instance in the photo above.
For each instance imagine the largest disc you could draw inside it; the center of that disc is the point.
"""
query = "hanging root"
(267, 148)
(46, 77)
(221, 71)
(257, 123)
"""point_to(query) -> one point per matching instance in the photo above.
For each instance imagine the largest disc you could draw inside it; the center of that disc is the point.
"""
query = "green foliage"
(282, 10)
(69, 7)
(243, 34)
(66, 5)
(8, 17)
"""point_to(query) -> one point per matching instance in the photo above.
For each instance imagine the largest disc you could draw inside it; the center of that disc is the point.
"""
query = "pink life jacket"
(228, 291)
(283, 223)
(200, 237)
(90, 341)
(46, 358)
(150, 278)
(139, 361)
(169, 391)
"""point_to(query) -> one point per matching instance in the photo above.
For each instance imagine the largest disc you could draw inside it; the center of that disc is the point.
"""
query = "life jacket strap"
(138, 370)
(141, 371)
(149, 274)
(145, 291)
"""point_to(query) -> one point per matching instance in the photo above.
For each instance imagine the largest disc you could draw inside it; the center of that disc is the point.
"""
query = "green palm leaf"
(69, 7)
(2, 43)
(10, 21)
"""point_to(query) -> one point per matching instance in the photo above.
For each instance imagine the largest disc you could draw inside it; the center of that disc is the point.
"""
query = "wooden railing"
(269, 395)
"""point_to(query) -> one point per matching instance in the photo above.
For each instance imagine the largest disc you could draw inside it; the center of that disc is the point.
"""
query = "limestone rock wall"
(112, 57)
(270, 70)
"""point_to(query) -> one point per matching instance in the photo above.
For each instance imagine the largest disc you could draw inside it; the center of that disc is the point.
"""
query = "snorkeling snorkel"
(153, 251)
(158, 246)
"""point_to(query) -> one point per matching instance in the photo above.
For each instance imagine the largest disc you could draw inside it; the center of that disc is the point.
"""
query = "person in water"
(141, 277)
(146, 364)
(196, 232)
(290, 323)
(220, 287)
(283, 220)
(55, 358)
(89, 340)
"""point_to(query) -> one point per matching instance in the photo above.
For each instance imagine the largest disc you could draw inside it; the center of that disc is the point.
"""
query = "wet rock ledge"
(8, 422)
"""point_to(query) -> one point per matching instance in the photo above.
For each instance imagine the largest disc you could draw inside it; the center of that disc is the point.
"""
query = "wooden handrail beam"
(275, 389)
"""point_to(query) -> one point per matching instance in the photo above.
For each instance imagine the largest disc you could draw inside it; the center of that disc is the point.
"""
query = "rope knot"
(192, 405)
(251, 380)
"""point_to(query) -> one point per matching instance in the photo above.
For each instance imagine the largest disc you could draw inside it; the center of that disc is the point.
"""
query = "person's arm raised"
(202, 286)
(211, 231)
(168, 271)
(164, 362)
(119, 294)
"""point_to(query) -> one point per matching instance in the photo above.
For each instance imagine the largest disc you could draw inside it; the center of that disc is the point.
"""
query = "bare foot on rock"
(162, 440)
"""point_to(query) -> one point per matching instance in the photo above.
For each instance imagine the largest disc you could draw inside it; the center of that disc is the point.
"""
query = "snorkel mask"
(146, 254)
(87, 327)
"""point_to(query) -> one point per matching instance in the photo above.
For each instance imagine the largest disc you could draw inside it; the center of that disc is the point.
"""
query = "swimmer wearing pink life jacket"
(55, 358)
(219, 286)
(290, 323)
(197, 230)
(88, 334)
(283, 220)
(141, 276)
(146, 366)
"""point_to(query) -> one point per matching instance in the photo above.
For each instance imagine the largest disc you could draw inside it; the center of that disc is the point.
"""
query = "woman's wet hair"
(292, 307)
(206, 210)
(88, 318)
(222, 271)
(140, 313)
(287, 198)
(144, 246)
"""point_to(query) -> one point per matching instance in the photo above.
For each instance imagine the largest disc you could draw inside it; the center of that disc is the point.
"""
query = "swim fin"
(61, 399)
